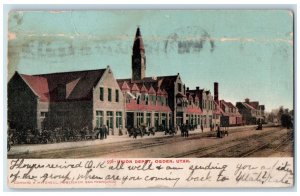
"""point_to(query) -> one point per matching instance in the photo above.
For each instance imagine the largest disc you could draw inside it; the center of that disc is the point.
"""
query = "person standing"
(101, 133)
(218, 132)
(105, 130)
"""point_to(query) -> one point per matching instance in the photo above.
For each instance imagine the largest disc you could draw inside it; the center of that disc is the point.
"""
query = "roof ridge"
(77, 71)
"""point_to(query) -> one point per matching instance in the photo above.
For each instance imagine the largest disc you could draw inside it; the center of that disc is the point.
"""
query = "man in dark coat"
(105, 130)
(101, 133)
(219, 132)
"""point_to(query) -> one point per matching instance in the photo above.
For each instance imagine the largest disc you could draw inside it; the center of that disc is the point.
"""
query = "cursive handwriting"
(150, 173)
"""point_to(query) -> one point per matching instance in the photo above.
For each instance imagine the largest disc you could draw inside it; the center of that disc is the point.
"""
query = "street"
(241, 142)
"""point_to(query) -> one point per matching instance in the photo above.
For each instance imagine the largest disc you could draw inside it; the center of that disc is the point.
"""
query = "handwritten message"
(147, 173)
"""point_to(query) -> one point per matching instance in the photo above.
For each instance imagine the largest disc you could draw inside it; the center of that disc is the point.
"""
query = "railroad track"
(215, 149)
(268, 145)
(159, 142)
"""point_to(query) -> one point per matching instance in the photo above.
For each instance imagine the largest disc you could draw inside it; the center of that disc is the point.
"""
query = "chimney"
(187, 88)
(197, 88)
(216, 92)
(247, 100)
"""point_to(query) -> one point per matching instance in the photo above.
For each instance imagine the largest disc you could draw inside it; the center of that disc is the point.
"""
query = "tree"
(286, 120)
(280, 112)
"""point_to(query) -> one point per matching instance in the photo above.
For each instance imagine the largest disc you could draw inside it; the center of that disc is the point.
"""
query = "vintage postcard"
(150, 99)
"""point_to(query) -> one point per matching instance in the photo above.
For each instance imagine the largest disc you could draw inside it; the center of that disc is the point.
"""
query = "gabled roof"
(230, 105)
(135, 88)
(124, 86)
(167, 81)
(197, 92)
(254, 104)
(164, 92)
(161, 82)
(159, 92)
(78, 84)
(248, 106)
(144, 89)
(151, 91)
(39, 86)
(218, 109)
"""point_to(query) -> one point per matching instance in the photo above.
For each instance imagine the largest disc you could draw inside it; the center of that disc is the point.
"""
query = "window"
(158, 99)
(99, 118)
(156, 120)
(164, 119)
(117, 95)
(140, 118)
(148, 119)
(138, 99)
(161, 100)
(146, 99)
(44, 114)
(101, 94)
(109, 119)
(153, 99)
(179, 118)
(119, 119)
(109, 94)
(179, 87)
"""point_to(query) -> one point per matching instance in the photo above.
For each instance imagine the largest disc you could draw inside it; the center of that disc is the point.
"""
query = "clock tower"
(138, 60)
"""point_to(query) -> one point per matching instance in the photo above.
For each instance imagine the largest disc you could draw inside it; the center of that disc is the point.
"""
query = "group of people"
(184, 130)
(102, 132)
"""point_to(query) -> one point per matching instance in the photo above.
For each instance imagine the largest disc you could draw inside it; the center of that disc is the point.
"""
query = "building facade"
(161, 100)
(70, 99)
(251, 112)
(94, 97)
(229, 114)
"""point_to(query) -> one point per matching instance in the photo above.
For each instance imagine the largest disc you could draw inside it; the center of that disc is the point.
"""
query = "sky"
(249, 53)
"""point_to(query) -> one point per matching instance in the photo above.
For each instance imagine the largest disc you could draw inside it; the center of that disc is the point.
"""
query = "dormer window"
(146, 99)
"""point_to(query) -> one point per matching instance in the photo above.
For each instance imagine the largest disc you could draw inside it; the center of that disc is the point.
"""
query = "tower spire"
(138, 63)
(138, 44)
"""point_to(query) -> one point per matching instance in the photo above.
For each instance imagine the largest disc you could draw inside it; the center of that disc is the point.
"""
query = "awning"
(180, 95)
